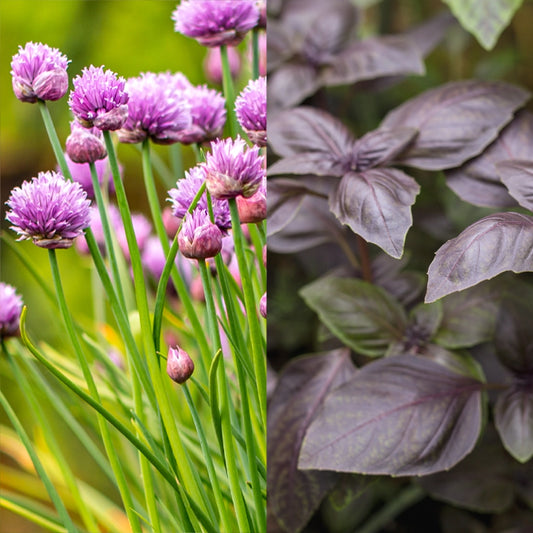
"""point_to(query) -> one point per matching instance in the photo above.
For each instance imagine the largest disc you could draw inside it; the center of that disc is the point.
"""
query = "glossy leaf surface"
(490, 246)
(376, 204)
(362, 315)
(455, 121)
(302, 386)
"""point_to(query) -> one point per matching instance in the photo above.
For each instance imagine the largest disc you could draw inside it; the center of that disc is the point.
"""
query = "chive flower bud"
(10, 309)
(49, 210)
(180, 366)
(253, 209)
(186, 189)
(233, 169)
(216, 22)
(199, 238)
(85, 145)
(39, 72)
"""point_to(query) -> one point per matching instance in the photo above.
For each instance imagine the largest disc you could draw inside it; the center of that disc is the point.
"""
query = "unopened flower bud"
(84, 145)
(199, 237)
(253, 209)
(179, 365)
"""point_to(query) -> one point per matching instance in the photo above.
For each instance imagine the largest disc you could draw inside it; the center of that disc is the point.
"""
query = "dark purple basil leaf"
(477, 181)
(518, 178)
(363, 316)
(424, 320)
(317, 163)
(513, 337)
(312, 225)
(294, 495)
(458, 362)
(404, 416)
(455, 121)
(513, 417)
(289, 84)
(372, 58)
(306, 129)
(285, 197)
(482, 482)
(469, 317)
(380, 146)
(330, 31)
(490, 246)
(376, 204)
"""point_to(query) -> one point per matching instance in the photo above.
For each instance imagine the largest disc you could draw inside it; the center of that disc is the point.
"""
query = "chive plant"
(177, 402)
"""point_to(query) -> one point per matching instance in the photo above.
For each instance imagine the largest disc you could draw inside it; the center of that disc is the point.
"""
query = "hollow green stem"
(104, 430)
(224, 407)
(187, 476)
(51, 441)
(250, 303)
(221, 506)
(255, 53)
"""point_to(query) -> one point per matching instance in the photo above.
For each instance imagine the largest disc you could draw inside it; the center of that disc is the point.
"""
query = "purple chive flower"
(10, 309)
(251, 111)
(99, 99)
(157, 109)
(85, 145)
(39, 72)
(213, 64)
(233, 169)
(180, 366)
(199, 238)
(208, 114)
(216, 22)
(186, 189)
(49, 210)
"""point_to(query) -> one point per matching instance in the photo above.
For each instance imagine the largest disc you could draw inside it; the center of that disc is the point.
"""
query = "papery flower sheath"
(216, 22)
(233, 169)
(157, 109)
(208, 114)
(251, 110)
(85, 145)
(199, 238)
(180, 366)
(39, 72)
(49, 210)
(10, 309)
(99, 99)
(183, 194)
